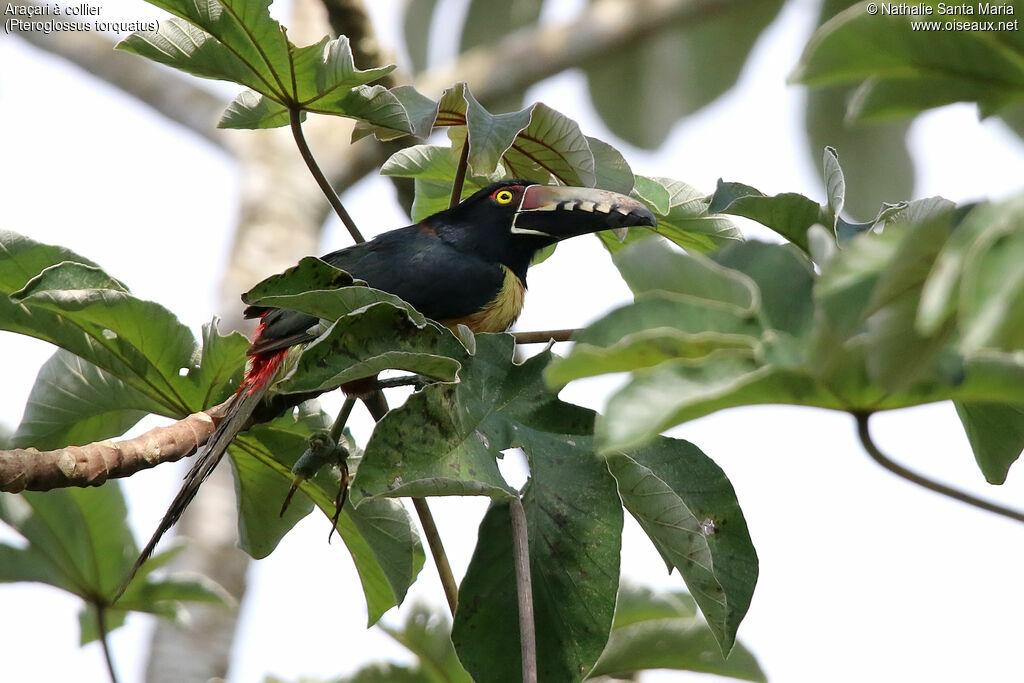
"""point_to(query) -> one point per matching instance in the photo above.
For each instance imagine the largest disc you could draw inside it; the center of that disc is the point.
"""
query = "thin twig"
(101, 628)
(544, 336)
(460, 173)
(524, 590)
(377, 405)
(901, 471)
(318, 175)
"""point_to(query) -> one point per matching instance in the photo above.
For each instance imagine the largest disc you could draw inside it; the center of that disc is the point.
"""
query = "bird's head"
(511, 220)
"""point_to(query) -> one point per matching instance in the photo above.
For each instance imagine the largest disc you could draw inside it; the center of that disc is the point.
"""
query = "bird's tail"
(253, 389)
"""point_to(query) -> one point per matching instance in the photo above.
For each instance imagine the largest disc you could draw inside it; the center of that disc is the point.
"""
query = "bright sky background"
(863, 576)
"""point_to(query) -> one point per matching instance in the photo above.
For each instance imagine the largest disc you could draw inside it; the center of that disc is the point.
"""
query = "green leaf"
(875, 157)
(650, 266)
(552, 145)
(637, 604)
(73, 402)
(991, 306)
(835, 183)
(445, 439)
(165, 598)
(251, 111)
(372, 339)
(640, 92)
(416, 24)
(996, 434)
(487, 22)
(78, 536)
(187, 47)
(221, 364)
(784, 278)
(379, 534)
(574, 522)
(428, 636)
(689, 220)
(679, 644)
(491, 135)
(260, 489)
(661, 630)
(139, 342)
(612, 169)
(78, 540)
(680, 390)
(906, 71)
(420, 113)
(687, 506)
(433, 167)
(325, 73)
(788, 214)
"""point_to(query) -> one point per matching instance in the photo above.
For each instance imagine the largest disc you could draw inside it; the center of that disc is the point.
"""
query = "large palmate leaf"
(904, 71)
(76, 306)
(78, 540)
(238, 41)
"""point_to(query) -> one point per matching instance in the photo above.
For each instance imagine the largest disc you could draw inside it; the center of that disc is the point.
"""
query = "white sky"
(863, 576)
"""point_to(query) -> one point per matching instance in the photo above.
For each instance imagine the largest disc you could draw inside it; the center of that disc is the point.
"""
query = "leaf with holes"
(688, 508)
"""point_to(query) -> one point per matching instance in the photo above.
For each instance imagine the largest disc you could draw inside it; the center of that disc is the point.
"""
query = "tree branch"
(544, 336)
(920, 480)
(91, 465)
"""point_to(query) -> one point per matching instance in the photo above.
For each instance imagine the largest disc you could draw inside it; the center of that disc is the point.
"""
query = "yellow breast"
(501, 312)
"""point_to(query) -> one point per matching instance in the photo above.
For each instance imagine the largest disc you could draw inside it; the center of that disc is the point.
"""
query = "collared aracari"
(465, 265)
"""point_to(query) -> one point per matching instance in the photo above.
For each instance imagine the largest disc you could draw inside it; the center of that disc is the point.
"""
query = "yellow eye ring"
(503, 197)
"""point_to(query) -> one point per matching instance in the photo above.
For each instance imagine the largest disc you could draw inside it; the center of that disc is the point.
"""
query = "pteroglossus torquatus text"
(466, 265)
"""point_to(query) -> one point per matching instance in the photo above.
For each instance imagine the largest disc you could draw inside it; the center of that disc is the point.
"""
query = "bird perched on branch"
(465, 265)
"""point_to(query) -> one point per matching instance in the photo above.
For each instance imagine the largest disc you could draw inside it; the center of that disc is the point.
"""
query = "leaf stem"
(101, 628)
(444, 570)
(460, 173)
(524, 590)
(544, 336)
(378, 407)
(318, 175)
(931, 485)
(338, 428)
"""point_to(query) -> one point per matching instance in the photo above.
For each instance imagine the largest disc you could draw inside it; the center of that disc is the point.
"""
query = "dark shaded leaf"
(574, 522)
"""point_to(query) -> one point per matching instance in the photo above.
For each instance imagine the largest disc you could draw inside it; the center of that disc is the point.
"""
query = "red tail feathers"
(262, 368)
